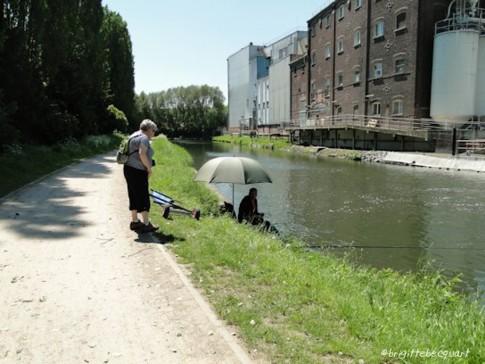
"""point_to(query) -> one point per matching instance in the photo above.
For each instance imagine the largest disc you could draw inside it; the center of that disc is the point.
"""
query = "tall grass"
(297, 306)
(21, 164)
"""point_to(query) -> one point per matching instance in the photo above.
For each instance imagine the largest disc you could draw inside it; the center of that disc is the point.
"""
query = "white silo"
(455, 85)
(480, 100)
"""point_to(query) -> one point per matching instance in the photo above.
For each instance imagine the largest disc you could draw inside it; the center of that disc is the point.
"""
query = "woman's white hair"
(148, 124)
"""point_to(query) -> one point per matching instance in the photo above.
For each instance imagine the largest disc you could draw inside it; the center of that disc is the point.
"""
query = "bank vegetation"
(293, 305)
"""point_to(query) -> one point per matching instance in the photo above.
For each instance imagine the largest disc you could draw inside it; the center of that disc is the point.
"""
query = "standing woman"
(137, 170)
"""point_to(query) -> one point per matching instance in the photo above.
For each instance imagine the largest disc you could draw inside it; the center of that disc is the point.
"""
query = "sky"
(187, 42)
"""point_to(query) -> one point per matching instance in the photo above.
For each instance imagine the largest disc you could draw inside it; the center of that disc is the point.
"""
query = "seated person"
(248, 209)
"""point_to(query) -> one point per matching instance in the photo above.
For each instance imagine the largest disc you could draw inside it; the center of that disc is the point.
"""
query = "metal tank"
(454, 82)
(480, 100)
(457, 93)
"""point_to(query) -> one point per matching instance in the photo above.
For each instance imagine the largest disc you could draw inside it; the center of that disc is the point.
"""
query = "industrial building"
(259, 83)
(244, 68)
(375, 74)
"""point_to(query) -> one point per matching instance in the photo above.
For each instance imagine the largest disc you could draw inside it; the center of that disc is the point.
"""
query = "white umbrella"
(234, 170)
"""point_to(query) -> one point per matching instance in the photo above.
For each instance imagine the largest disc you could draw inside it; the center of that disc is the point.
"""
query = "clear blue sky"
(184, 42)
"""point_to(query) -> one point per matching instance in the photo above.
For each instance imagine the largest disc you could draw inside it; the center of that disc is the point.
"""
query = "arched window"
(401, 21)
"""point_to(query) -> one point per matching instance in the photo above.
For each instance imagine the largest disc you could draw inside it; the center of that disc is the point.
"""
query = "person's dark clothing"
(137, 181)
(248, 209)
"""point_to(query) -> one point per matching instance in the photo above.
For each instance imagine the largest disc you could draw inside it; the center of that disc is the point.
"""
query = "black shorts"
(137, 181)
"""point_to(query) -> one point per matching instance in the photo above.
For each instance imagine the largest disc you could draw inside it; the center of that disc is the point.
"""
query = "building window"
(357, 75)
(357, 38)
(341, 12)
(328, 51)
(379, 29)
(338, 110)
(378, 70)
(340, 79)
(397, 107)
(355, 110)
(340, 46)
(400, 66)
(327, 87)
(327, 21)
(376, 108)
(357, 4)
(314, 57)
(401, 21)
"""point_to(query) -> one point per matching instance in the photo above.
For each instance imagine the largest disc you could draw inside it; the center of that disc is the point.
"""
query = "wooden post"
(353, 139)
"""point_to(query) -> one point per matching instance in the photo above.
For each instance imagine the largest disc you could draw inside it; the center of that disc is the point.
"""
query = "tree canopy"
(193, 111)
(62, 63)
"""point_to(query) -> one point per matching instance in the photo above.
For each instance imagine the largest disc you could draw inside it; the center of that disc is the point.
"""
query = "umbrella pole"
(233, 196)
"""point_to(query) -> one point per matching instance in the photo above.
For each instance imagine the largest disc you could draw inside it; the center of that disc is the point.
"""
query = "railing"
(462, 22)
(380, 123)
(470, 146)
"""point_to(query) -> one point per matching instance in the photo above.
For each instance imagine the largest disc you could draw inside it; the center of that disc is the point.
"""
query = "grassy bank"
(282, 143)
(301, 307)
(22, 164)
(260, 141)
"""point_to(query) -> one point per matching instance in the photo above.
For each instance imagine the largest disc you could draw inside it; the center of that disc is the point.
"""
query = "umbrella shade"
(236, 170)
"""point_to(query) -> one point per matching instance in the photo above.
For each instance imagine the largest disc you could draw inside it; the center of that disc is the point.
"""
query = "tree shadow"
(51, 209)
(92, 168)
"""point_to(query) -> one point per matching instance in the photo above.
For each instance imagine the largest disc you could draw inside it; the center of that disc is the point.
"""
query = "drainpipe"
(367, 57)
(334, 57)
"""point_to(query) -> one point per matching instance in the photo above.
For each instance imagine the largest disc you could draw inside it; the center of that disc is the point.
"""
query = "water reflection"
(404, 217)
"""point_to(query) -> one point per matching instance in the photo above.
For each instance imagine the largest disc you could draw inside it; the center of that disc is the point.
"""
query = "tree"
(120, 64)
(55, 72)
(194, 111)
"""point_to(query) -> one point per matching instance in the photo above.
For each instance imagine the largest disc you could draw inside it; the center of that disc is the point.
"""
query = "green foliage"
(293, 305)
(194, 111)
(22, 164)
(55, 67)
(120, 62)
(259, 141)
(116, 119)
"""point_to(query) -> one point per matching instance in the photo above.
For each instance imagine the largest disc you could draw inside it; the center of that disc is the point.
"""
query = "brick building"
(368, 57)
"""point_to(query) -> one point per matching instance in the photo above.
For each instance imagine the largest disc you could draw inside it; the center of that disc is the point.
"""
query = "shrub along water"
(299, 306)
(261, 141)
(24, 163)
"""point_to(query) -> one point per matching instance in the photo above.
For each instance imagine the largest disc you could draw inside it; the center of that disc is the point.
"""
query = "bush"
(115, 120)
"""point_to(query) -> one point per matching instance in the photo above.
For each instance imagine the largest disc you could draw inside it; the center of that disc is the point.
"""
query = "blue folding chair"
(169, 205)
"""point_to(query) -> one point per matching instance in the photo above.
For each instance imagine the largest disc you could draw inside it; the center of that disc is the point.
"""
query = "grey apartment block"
(244, 68)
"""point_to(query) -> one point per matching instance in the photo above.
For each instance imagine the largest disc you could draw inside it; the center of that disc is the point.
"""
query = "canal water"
(397, 217)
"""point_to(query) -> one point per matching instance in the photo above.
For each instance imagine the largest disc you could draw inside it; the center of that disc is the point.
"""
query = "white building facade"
(259, 82)
(244, 68)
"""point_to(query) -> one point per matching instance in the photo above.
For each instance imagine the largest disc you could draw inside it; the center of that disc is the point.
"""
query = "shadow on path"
(54, 207)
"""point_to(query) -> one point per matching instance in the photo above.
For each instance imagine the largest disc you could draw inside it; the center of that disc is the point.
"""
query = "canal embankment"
(408, 159)
(291, 304)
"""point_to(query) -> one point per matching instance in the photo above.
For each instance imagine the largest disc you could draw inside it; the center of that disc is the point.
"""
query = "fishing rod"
(331, 246)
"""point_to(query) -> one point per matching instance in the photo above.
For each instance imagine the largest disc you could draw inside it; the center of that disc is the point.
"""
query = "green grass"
(260, 141)
(22, 164)
(302, 307)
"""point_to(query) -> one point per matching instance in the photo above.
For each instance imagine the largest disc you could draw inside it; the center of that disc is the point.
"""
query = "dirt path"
(76, 286)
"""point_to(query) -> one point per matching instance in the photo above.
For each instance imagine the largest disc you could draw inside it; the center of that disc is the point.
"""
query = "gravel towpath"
(76, 286)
